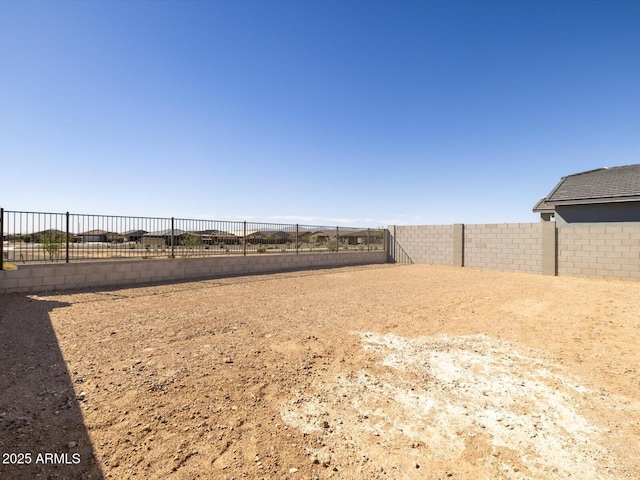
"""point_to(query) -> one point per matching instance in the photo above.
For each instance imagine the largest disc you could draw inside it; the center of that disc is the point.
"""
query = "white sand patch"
(443, 392)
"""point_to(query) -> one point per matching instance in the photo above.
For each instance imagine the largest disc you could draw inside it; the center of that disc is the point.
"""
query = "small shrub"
(52, 243)
(262, 250)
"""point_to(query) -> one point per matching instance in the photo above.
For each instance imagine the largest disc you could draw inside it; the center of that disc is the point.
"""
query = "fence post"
(368, 239)
(244, 239)
(385, 240)
(2, 238)
(66, 255)
(458, 244)
(297, 239)
(393, 245)
(337, 240)
(172, 237)
(549, 248)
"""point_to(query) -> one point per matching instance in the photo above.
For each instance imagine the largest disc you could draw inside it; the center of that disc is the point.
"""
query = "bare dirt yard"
(377, 372)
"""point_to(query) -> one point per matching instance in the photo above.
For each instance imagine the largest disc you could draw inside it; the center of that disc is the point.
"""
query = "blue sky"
(361, 113)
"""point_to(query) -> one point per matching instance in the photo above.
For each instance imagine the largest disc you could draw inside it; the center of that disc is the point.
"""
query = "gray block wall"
(425, 243)
(600, 251)
(39, 278)
(512, 247)
(589, 250)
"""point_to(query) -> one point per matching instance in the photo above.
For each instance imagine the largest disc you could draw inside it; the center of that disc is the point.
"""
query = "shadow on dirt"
(42, 432)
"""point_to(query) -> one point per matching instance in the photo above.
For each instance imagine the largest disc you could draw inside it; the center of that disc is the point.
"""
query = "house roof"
(94, 232)
(322, 232)
(354, 232)
(260, 233)
(165, 233)
(240, 233)
(603, 185)
(215, 232)
(50, 231)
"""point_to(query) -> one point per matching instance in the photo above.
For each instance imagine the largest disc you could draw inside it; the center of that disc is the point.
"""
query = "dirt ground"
(377, 372)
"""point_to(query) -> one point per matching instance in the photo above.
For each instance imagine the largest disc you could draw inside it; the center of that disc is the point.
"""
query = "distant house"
(263, 236)
(602, 195)
(213, 237)
(351, 236)
(359, 236)
(255, 235)
(249, 234)
(52, 232)
(99, 236)
(278, 236)
(163, 237)
(321, 236)
(133, 235)
(304, 236)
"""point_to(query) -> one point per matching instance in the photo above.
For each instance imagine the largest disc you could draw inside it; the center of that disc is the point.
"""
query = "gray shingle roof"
(164, 233)
(595, 186)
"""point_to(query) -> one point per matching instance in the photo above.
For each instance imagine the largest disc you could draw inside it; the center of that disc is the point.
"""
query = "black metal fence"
(65, 237)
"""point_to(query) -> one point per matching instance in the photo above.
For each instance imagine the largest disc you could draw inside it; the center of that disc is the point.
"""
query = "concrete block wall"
(599, 251)
(513, 247)
(431, 244)
(39, 278)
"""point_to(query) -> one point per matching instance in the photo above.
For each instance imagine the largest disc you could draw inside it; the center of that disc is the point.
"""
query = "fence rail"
(66, 237)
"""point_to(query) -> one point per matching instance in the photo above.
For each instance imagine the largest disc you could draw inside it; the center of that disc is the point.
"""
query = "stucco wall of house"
(598, 213)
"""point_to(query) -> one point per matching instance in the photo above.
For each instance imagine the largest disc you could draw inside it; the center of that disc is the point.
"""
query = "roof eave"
(589, 201)
(544, 210)
(543, 207)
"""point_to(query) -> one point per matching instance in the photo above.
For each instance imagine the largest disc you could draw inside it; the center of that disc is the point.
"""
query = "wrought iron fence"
(65, 237)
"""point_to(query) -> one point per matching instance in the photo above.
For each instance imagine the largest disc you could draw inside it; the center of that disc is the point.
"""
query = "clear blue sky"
(360, 113)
